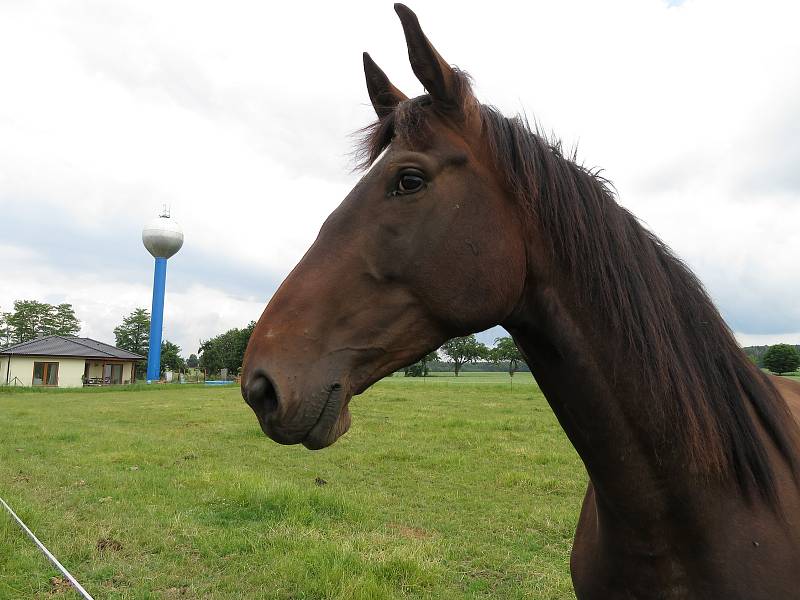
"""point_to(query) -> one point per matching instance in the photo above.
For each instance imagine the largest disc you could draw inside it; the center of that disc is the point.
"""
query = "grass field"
(442, 489)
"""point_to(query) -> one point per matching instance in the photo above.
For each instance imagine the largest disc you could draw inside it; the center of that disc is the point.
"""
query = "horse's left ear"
(383, 95)
(430, 68)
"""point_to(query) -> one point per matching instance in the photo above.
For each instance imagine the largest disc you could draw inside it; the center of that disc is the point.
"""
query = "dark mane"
(700, 384)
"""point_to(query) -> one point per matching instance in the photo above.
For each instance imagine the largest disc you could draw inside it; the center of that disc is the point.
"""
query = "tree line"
(226, 351)
(31, 319)
(778, 358)
(459, 352)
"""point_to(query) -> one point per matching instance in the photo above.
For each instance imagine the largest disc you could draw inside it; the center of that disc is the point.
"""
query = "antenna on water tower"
(163, 238)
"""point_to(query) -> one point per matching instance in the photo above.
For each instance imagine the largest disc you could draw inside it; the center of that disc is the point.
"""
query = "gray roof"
(67, 345)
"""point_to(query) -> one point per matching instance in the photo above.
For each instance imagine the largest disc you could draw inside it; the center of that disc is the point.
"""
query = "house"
(66, 361)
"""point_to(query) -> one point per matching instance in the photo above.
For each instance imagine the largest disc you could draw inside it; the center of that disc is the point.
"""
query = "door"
(112, 374)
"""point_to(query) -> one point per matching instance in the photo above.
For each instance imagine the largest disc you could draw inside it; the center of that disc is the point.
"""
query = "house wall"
(70, 370)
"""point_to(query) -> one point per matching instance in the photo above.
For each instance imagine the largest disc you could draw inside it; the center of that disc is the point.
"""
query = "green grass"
(440, 490)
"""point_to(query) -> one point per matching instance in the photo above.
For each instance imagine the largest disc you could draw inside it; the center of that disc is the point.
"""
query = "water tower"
(162, 237)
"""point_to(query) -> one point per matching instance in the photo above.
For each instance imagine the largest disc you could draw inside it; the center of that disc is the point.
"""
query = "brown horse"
(467, 219)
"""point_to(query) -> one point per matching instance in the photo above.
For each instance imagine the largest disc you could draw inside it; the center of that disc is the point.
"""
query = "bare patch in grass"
(111, 544)
(59, 585)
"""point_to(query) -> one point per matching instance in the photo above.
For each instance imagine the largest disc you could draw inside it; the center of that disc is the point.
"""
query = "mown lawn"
(440, 490)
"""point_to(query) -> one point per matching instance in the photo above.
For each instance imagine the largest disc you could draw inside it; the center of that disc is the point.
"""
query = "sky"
(239, 116)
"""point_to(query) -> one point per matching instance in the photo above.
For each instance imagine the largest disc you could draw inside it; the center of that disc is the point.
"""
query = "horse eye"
(408, 184)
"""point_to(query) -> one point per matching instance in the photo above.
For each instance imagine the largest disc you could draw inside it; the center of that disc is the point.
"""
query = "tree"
(421, 367)
(170, 357)
(506, 350)
(134, 333)
(782, 358)
(32, 319)
(28, 320)
(463, 350)
(134, 336)
(192, 361)
(63, 321)
(5, 330)
(226, 351)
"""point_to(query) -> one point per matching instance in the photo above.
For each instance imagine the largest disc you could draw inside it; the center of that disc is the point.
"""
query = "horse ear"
(383, 95)
(429, 67)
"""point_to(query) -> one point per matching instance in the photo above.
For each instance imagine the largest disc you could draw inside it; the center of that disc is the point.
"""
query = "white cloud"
(239, 119)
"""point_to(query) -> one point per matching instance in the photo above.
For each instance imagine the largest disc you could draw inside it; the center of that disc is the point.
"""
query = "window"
(45, 373)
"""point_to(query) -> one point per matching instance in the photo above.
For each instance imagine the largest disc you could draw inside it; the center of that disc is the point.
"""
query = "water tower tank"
(162, 237)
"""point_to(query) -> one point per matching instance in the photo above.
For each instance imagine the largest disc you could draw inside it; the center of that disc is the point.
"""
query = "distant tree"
(782, 358)
(505, 350)
(32, 318)
(192, 361)
(29, 320)
(63, 321)
(464, 350)
(134, 333)
(226, 351)
(5, 330)
(756, 354)
(171, 357)
(134, 336)
(421, 367)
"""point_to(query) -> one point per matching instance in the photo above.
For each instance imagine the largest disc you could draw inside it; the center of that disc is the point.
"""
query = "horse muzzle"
(314, 418)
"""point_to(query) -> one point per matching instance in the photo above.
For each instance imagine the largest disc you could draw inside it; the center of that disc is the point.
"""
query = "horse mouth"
(332, 421)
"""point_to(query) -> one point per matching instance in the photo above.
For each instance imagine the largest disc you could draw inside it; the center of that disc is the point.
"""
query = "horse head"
(427, 246)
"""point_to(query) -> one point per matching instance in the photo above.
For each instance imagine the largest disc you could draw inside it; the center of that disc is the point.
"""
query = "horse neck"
(597, 401)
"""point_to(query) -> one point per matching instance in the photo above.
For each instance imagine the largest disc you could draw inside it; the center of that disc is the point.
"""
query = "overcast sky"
(238, 115)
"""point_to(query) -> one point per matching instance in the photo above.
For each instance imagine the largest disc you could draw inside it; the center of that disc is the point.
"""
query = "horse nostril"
(262, 396)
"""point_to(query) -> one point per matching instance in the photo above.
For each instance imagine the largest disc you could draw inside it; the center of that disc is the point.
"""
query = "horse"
(465, 219)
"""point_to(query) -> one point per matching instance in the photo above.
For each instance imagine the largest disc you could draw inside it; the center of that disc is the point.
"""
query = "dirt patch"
(176, 592)
(59, 585)
(104, 544)
(414, 533)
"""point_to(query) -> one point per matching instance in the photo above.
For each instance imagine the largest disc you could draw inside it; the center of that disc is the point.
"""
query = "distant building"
(66, 361)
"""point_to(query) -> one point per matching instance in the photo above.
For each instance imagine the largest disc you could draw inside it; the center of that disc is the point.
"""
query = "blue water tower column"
(157, 320)
(162, 237)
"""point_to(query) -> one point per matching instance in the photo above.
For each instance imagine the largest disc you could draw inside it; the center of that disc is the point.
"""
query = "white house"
(66, 361)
